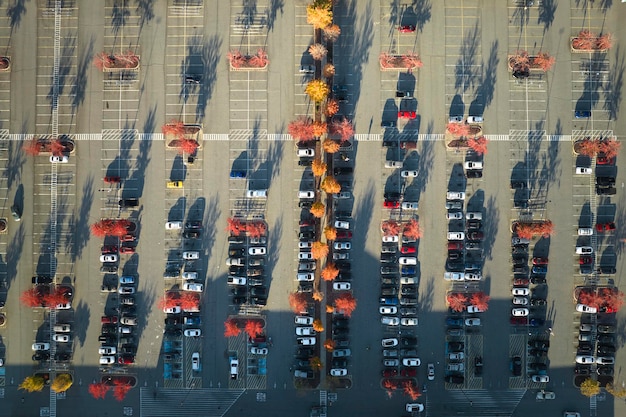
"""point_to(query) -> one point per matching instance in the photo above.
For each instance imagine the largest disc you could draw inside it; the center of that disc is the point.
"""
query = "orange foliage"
(56, 148)
(587, 147)
(297, 302)
(120, 390)
(590, 298)
(256, 228)
(318, 51)
(347, 303)
(31, 298)
(329, 272)
(458, 129)
(187, 146)
(613, 298)
(318, 326)
(344, 129)
(317, 209)
(32, 147)
(317, 90)
(330, 185)
(390, 228)
(332, 107)
(301, 129)
(331, 33)
(412, 229)
(318, 167)
(329, 345)
(329, 308)
(520, 61)
(319, 16)
(604, 41)
(328, 71)
(330, 146)
(609, 147)
(457, 301)
(411, 390)
(330, 233)
(544, 61)
(478, 145)
(189, 301)
(319, 129)
(54, 298)
(318, 296)
(230, 328)
(98, 390)
(319, 250)
(170, 299)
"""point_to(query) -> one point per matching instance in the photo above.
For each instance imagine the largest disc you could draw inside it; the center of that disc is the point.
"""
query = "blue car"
(388, 301)
(407, 270)
(536, 322)
(582, 114)
(540, 269)
(238, 174)
(452, 321)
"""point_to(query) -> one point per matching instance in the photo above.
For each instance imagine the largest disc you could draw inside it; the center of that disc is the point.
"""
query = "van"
(174, 184)
(256, 194)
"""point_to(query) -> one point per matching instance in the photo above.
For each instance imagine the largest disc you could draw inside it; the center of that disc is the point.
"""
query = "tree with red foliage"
(347, 303)
(390, 386)
(612, 298)
(259, 60)
(332, 107)
(390, 228)
(587, 147)
(604, 42)
(586, 40)
(103, 60)
(189, 301)
(256, 228)
(120, 390)
(329, 345)
(590, 298)
(235, 226)
(31, 298)
(56, 148)
(119, 228)
(99, 229)
(412, 229)
(457, 301)
(544, 228)
(32, 147)
(524, 230)
(480, 300)
(253, 328)
(301, 129)
(169, 300)
(411, 390)
(478, 145)
(98, 390)
(609, 147)
(544, 61)
(54, 298)
(330, 272)
(458, 129)
(175, 128)
(343, 129)
(297, 302)
(187, 146)
(520, 61)
(230, 328)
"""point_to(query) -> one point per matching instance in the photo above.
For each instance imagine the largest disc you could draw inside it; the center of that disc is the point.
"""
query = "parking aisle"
(185, 65)
(304, 63)
(5, 75)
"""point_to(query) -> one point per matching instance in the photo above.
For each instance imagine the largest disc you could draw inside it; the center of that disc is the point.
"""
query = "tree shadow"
(547, 12)
(119, 16)
(422, 10)
(613, 86)
(79, 230)
(145, 10)
(521, 16)
(15, 161)
(80, 82)
(65, 64)
(14, 253)
(465, 76)
(271, 13)
(484, 93)
(248, 12)
(490, 230)
(394, 15)
(15, 12)
(273, 250)
(207, 52)
(137, 180)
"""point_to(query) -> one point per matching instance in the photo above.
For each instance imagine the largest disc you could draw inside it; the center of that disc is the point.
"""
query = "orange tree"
(318, 167)
(478, 145)
(317, 209)
(330, 233)
(347, 303)
(317, 90)
(297, 302)
(329, 272)
(319, 250)
(412, 229)
(301, 129)
(319, 14)
(480, 300)
(330, 185)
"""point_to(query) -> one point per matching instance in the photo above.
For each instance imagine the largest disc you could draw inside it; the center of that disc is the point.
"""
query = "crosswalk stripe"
(188, 402)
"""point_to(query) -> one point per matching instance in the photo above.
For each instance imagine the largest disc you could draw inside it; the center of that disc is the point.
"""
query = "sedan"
(391, 362)
(342, 246)
(107, 350)
(59, 159)
(126, 290)
(108, 258)
(519, 312)
(339, 372)
(407, 260)
(454, 215)
(584, 250)
(540, 378)
(407, 249)
(456, 236)
(408, 322)
(305, 331)
(257, 251)
(582, 308)
(520, 291)
(388, 310)
(472, 322)
(406, 28)
(107, 360)
(341, 286)
(411, 362)
(540, 261)
(585, 359)
(389, 321)
(389, 342)
(46, 346)
(192, 332)
(407, 174)
(61, 338)
(546, 395)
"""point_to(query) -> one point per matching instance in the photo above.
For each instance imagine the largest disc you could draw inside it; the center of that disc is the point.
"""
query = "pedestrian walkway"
(477, 403)
(187, 403)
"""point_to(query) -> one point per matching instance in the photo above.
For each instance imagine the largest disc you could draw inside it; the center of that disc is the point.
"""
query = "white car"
(193, 286)
(472, 321)
(473, 276)
(408, 280)
(474, 215)
(454, 215)
(520, 291)
(456, 236)
(456, 356)
(256, 194)
(585, 231)
(306, 194)
(391, 362)
(305, 331)
(341, 286)
(387, 310)
(407, 260)
(408, 321)
(108, 258)
(305, 256)
(390, 239)
(192, 332)
(584, 250)
(61, 338)
(389, 321)
(414, 407)
(235, 261)
(305, 245)
(411, 362)
(341, 255)
(125, 330)
(407, 174)
(64, 306)
(338, 372)
(393, 164)
(190, 276)
(342, 246)
(258, 350)
(431, 371)
(389, 342)
(454, 205)
(540, 378)
(41, 346)
(306, 276)
(342, 224)
(585, 359)
(304, 320)
(129, 321)
(545, 395)
(192, 254)
(173, 225)
(236, 280)
(474, 309)
(454, 276)
(257, 251)
(583, 171)
(455, 195)
(474, 119)
(107, 350)
(59, 159)
(473, 165)
(521, 301)
(605, 360)
(195, 361)
(410, 205)
(519, 312)
(305, 153)
(107, 360)
(62, 328)
(126, 290)
(306, 341)
(582, 308)
(172, 310)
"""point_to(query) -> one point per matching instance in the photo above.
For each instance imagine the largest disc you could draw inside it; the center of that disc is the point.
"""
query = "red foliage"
(170, 299)
(236, 58)
(52, 299)
(604, 42)
(524, 230)
(98, 390)
(411, 390)
(256, 228)
(544, 61)
(478, 145)
(412, 229)
(120, 390)
(301, 129)
(586, 40)
(390, 386)
(613, 298)
(457, 301)
(31, 298)
(118, 228)
(189, 301)
(253, 328)
(99, 229)
(32, 147)
(174, 128)
(297, 302)
(480, 300)
(458, 129)
(390, 228)
(609, 147)
(235, 226)
(520, 61)
(230, 328)
(103, 60)
(56, 147)
(590, 298)
(347, 303)
(344, 129)
(188, 146)
(259, 60)
(587, 147)
(332, 107)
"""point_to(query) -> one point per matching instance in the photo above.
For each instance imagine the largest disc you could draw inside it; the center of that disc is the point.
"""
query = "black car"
(259, 301)
(255, 282)
(539, 344)
(304, 236)
(606, 339)
(62, 356)
(304, 353)
(584, 347)
(408, 301)
(388, 258)
(339, 362)
(107, 338)
(42, 279)
(538, 366)
(237, 270)
(474, 173)
(586, 269)
(516, 250)
(582, 370)
(408, 289)
(537, 302)
(408, 352)
(516, 366)
(393, 196)
(455, 346)
(193, 225)
(342, 171)
(605, 181)
(108, 329)
(129, 202)
(605, 370)
(236, 239)
(478, 366)
(238, 290)
(606, 349)
(454, 255)
(454, 379)
(606, 191)
(388, 290)
(341, 322)
(128, 310)
(606, 328)
(341, 343)
(474, 224)
(234, 252)
(172, 331)
(455, 266)
(535, 279)
(108, 268)
(127, 340)
(340, 331)
(537, 353)
(258, 292)
(41, 356)
(408, 311)
(305, 162)
(191, 234)
(408, 341)
(607, 270)
(305, 204)
(239, 300)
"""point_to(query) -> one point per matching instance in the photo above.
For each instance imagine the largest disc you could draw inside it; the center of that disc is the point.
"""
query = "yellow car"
(174, 184)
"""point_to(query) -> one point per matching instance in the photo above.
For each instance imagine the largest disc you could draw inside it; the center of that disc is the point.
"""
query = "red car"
(108, 249)
(540, 261)
(605, 227)
(128, 238)
(407, 249)
(519, 320)
(127, 249)
(585, 260)
(523, 282)
(307, 222)
(408, 372)
(109, 319)
(126, 359)
(109, 180)
(344, 234)
(455, 246)
(406, 28)
(390, 372)
(603, 160)
(391, 204)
